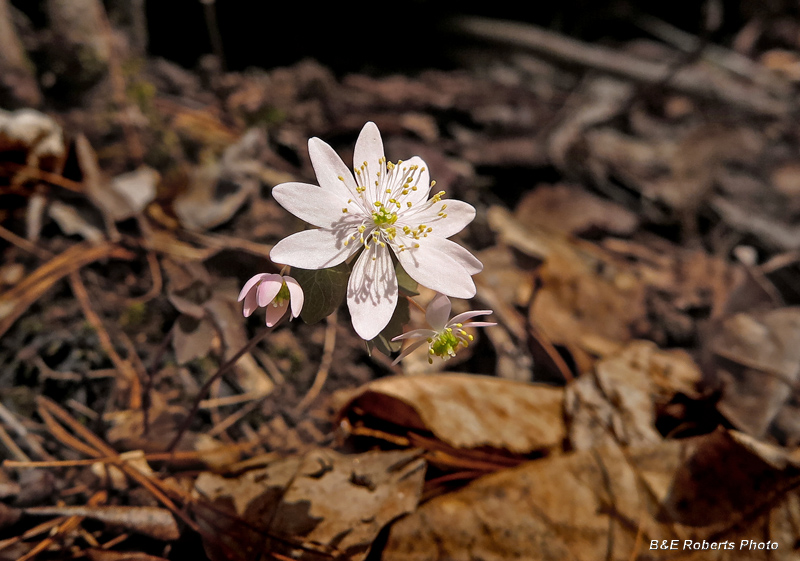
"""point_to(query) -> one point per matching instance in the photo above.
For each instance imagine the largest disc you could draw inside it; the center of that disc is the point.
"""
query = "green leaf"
(405, 283)
(383, 341)
(323, 289)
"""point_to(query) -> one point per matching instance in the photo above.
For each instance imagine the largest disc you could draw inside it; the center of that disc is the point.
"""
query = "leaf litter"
(640, 251)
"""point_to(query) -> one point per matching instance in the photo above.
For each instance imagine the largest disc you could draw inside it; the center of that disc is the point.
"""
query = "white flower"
(385, 208)
(273, 292)
(445, 336)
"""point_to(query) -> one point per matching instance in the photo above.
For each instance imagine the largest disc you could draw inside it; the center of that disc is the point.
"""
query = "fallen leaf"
(467, 411)
(757, 359)
(612, 503)
(323, 504)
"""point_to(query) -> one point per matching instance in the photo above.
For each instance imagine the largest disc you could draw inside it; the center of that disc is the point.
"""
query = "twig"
(725, 58)
(11, 446)
(691, 80)
(207, 386)
(19, 429)
(24, 244)
(324, 367)
(124, 367)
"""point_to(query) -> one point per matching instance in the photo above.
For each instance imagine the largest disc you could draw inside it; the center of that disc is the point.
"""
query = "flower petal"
(313, 249)
(329, 167)
(463, 257)
(250, 303)
(421, 180)
(317, 206)
(372, 292)
(437, 271)
(250, 284)
(437, 312)
(480, 324)
(296, 294)
(461, 318)
(269, 288)
(275, 313)
(415, 333)
(408, 350)
(369, 151)
(459, 214)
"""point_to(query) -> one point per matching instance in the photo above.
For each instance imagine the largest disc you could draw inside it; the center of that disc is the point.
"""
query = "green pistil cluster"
(383, 217)
(282, 296)
(446, 343)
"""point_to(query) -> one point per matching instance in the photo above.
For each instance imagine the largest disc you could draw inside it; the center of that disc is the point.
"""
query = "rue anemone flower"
(276, 293)
(381, 211)
(445, 336)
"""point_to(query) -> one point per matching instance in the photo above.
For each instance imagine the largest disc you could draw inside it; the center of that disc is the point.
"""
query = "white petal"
(480, 324)
(269, 288)
(421, 179)
(250, 284)
(408, 350)
(317, 206)
(459, 214)
(369, 149)
(329, 168)
(275, 313)
(372, 292)
(437, 271)
(461, 318)
(296, 294)
(438, 311)
(313, 249)
(463, 257)
(415, 334)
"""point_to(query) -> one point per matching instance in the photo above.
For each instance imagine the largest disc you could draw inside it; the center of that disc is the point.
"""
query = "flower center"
(445, 344)
(383, 217)
(282, 296)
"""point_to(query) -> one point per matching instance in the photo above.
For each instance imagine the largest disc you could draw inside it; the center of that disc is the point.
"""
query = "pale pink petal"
(275, 313)
(269, 288)
(369, 149)
(425, 333)
(329, 168)
(372, 292)
(250, 303)
(438, 311)
(480, 324)
(250, 284)
(297, 296)
(457, 252)
(317, 206)
(461, 318)
(438, 271)
(459, 214)
(313, 249)
(408, 350)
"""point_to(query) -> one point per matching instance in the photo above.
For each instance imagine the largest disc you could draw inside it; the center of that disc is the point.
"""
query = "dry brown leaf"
(617, 402)
(612, 504)
(467, 411)
(572, 210)
(323, 504)
(154, 522)
(757, 358)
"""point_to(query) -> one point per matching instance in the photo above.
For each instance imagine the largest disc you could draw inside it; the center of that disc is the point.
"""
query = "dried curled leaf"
(467, 411)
